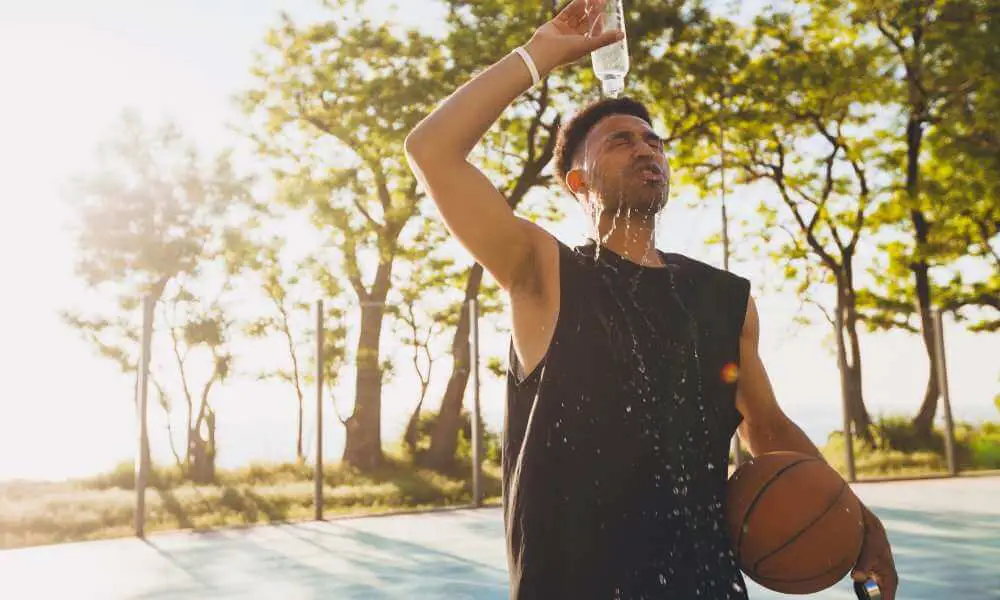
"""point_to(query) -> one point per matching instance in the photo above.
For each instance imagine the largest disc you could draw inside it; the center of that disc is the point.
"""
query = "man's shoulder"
(697, 267)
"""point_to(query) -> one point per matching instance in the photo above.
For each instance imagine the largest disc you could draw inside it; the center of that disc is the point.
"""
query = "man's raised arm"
(437, 149)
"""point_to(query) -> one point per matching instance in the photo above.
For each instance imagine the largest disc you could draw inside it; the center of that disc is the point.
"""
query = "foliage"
(102, 507)
(492, 448)
(976, 446)
(153, 221)
(897, 433)
(944, 56)
(151, 211)
(196, 325)
(985, 450)
(338, 155)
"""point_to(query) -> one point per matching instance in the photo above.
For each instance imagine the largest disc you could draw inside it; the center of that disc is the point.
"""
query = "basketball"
(795, 525)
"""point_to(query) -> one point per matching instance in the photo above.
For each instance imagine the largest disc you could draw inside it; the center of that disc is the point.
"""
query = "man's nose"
(643, 150)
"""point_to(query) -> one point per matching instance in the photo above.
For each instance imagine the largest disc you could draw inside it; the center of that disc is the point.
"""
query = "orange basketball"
(795, 525)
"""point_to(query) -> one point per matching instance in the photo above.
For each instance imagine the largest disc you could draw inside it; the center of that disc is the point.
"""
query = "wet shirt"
(616, 446)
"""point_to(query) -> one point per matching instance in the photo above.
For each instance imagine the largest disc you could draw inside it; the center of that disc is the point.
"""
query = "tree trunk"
(201, 469)
(363, 448)
(412, 433)
(296, 380)
(924, 420)
(299, 456)
(850, 366)
(858, 411)
(444, 435)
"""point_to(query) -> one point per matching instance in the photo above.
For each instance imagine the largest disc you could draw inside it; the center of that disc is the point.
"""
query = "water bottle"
(611, 62)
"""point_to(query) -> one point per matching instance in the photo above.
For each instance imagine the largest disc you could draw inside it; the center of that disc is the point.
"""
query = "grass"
(976, 448)
(95, 508)
(102, 506)
(877, 463)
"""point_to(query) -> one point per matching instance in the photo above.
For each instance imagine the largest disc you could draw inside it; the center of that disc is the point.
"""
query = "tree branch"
(349, 248)
(778, 177)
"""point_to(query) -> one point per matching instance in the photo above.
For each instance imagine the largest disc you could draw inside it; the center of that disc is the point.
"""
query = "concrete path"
(946, 535)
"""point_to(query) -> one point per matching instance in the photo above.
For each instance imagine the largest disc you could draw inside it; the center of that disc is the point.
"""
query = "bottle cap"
(613, 86)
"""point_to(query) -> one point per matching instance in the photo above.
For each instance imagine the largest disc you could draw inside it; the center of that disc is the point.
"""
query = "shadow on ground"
(953, 555)
(946, 540)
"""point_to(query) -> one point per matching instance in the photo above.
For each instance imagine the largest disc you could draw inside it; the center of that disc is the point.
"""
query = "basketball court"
(946, 536)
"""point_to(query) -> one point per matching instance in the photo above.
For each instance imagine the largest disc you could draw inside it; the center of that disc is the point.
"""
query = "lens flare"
(730, 373)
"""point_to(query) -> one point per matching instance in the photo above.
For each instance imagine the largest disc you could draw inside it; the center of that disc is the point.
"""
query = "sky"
(70, 67)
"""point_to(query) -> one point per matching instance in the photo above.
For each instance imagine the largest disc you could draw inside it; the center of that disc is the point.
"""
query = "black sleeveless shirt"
(616, 446)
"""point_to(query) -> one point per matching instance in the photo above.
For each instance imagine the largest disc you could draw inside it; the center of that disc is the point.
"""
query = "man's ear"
(576, 182)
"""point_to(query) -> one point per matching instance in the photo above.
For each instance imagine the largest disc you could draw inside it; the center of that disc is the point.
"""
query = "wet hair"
(574, 132)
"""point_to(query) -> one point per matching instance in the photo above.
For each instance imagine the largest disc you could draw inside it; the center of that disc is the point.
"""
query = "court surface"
(946, 536)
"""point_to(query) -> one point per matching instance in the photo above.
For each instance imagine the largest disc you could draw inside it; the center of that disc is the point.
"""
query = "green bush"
(896, 432)
(122, 476)
(985, 447)
(876, 462)
(266, 474)
(463, 451)
(900, 451)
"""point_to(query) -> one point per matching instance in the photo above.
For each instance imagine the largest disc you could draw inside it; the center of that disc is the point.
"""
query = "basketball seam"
(756, 499)
(801, 531)
(761, 578)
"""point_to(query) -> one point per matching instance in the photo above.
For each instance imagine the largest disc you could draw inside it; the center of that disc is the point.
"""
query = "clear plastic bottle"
(611, 63)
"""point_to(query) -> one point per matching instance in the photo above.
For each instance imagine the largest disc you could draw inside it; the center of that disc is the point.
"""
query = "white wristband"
(529, 63)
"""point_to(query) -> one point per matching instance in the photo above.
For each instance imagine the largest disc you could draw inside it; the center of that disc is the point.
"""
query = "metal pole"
(842, 366)
(318, 474)
(142, 461)
(942, 376)
(737, 455)
(477, 450)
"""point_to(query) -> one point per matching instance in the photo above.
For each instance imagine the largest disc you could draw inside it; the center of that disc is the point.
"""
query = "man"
(630, 368)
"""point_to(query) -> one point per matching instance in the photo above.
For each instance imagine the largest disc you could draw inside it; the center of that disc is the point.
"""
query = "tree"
(927, 39)
(814, 90)
(194, 325)
(287, 315)
(516, 153)
(151, 215)
(423, 308)
(335, 102)
(965, 242)
(964, 176)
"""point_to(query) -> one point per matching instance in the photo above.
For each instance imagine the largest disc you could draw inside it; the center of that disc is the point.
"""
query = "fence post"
(142, 460)
(477, 450)
(318, 473)
(942, 377)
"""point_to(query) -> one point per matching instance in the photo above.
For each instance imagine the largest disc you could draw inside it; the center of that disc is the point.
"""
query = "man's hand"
(876, 561)
(574, 33)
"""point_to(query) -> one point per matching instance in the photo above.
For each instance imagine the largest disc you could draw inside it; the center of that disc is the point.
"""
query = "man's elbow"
(415, 146)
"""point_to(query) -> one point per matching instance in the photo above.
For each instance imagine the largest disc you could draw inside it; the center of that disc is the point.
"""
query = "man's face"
(624, 164)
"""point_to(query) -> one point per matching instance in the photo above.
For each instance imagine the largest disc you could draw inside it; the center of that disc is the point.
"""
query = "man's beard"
(637, 198)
